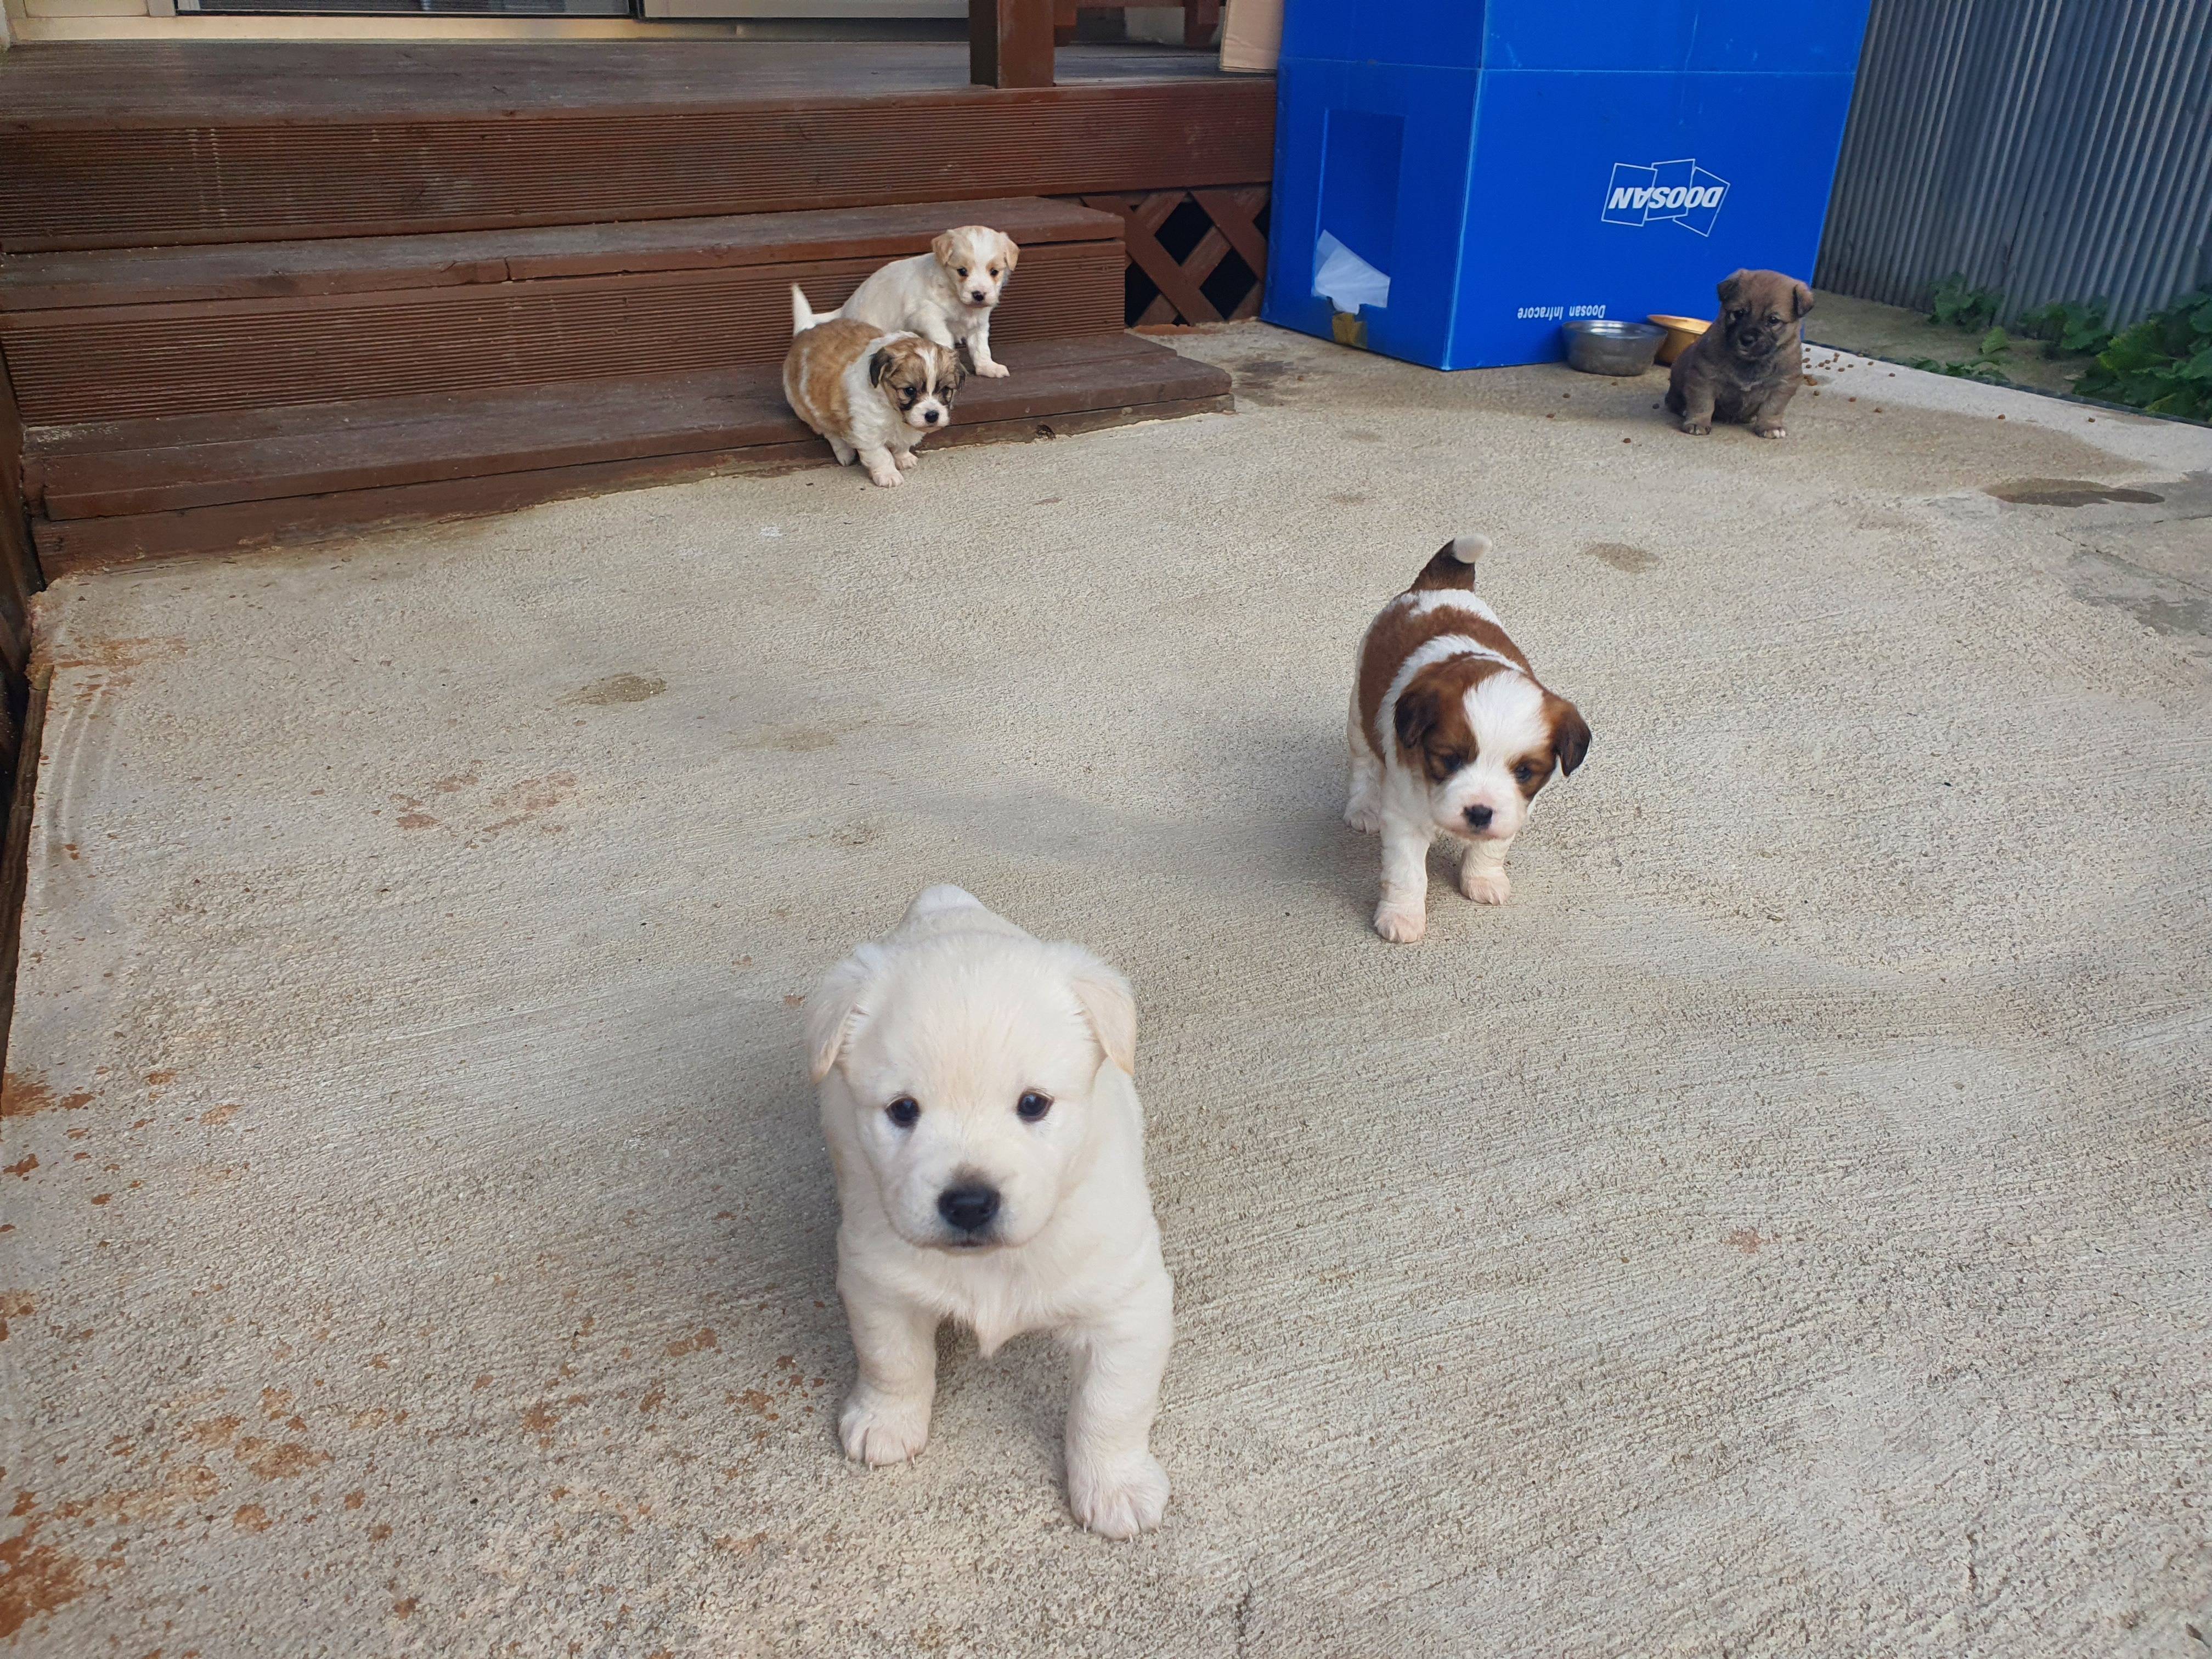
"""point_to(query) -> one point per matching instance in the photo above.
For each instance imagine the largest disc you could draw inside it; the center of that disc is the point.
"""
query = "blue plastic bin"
(1513, 164)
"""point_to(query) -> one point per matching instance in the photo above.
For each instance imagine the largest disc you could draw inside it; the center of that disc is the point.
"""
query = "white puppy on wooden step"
(946, 295)
(975, 1090)
(873, 394)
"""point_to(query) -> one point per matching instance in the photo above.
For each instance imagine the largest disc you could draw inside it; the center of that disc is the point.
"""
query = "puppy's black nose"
(929, 417)
(1478, 817)
(979, 294)
(969, 1208)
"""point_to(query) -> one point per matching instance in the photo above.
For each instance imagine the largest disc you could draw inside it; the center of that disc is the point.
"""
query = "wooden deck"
(252, 292)
(133, 146)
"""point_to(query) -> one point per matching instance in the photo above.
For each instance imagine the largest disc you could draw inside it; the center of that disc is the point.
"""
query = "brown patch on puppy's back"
(814, 371)
(1399, 631)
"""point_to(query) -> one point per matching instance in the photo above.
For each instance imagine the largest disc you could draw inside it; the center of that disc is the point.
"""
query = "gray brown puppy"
(1749, 364)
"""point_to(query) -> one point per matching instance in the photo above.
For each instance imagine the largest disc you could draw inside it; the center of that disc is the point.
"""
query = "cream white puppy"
(946, 295)
(988, 1145)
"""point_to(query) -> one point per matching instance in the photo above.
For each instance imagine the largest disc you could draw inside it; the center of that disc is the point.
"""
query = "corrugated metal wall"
(2052, 150)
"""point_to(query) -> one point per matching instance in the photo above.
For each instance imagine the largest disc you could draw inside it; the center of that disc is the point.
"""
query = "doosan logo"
(1673, 192)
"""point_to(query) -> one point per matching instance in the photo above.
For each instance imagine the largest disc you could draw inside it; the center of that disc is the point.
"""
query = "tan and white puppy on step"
(1452, 734)
(946, 295)
(874, 393)
(988, 1145)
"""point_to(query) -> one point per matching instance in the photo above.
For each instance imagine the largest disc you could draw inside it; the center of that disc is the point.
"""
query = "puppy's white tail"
(802, 314)
(1467, 548)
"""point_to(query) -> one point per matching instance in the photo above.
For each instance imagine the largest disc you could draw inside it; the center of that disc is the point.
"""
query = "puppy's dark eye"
(963, 270)
(1033, 1106)
(904, 1112)
(1523, 772)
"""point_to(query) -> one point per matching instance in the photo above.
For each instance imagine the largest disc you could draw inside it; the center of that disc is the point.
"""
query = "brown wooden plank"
(94, 543)
(106, 364)
(98, 87)
(610, 400)
(197, 462)
(356, 265)
(142, 184)
(84, 544)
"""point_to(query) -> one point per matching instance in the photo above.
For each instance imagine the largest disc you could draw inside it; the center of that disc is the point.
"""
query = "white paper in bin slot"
(1347, 281)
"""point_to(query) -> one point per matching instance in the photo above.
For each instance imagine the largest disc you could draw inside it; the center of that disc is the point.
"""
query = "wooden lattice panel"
(1233, 213)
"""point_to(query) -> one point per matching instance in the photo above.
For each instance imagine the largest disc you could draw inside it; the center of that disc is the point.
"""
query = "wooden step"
(118, 491)
(372, 264)
(118, 144)
(137, 332)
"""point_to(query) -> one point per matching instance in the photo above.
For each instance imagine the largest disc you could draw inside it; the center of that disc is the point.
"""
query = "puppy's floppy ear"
(1007, 246)
(880, 364)
(1108, 1005)
(942, 247)
(1732, 285)
(1803, 295)
(1418, 708)
(839, 1007)
(1570, 734)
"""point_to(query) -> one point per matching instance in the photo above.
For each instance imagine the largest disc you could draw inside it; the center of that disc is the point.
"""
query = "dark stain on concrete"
(1622, 557)
(2066, 492)
(616, 688)
(1261, 380)
(2162, 602)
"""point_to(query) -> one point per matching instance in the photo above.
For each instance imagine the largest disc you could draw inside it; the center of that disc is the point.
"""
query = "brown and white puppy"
(1749, 364)
(946, 295)
(872, 393)
(1451, 734)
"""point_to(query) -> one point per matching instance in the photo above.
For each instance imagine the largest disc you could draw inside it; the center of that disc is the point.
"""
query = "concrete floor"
(1783, 1230)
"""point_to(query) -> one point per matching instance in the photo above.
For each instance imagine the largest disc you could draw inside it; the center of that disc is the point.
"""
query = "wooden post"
(1010, 43)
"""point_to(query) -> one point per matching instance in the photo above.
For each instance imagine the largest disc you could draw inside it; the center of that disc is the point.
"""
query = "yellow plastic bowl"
(1680, 331)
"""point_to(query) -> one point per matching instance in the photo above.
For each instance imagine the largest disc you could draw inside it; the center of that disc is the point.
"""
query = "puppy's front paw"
(1697, 429)
(889, 478)
(1119, 1500)
(993, 371)
(906, 460)
(1364, 816)
(877, 1429)
(1484, 886)
(1399, 926)
(1772, 431)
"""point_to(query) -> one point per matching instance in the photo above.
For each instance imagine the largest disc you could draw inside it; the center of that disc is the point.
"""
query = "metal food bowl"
(1599, 345)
